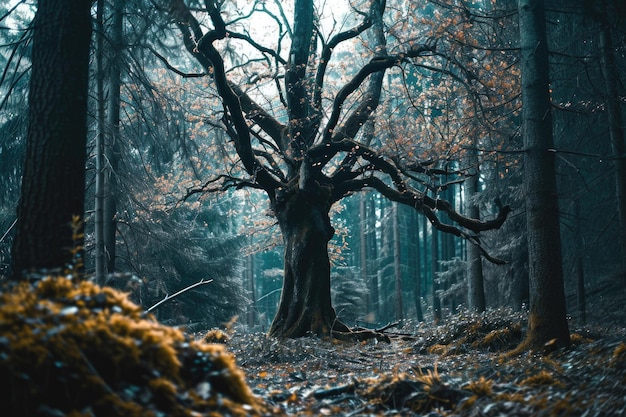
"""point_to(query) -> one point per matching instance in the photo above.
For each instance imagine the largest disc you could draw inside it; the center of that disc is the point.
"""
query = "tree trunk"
(398, 308)
(616, 131)
(100, 259)
(363, 252)
(475, 283)
(53, 182)
(113, 137)
(547, 319)
(417, 259)
(434, 267)
(579, 267)
(372, 261)
(305, 303)
(250, 282)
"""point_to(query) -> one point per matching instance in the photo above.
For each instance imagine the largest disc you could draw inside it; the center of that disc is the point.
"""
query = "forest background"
(156, 121)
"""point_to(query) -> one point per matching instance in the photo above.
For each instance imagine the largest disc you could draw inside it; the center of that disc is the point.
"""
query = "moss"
(618, 358)
(215, 336)
(482, 388)
(541, 378)
(230, 377)
(578, 339)
(420, 393)
(78, 349)
(438, 349)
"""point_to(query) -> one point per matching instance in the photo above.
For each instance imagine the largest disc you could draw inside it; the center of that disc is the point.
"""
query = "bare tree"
(314, 158)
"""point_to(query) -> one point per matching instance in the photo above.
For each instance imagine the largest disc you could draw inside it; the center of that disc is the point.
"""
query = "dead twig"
(176, 294)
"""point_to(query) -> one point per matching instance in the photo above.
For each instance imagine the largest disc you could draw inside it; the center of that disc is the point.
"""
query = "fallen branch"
(388, 326)
(176, 294)
(8, 230)
(333, 391)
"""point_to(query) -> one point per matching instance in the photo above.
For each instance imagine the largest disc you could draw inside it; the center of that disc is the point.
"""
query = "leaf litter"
(71, 348)
(462, 367)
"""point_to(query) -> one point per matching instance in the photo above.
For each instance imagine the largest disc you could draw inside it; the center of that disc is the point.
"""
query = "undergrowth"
(73, 348)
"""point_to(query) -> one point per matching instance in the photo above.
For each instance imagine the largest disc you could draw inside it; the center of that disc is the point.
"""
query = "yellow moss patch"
(542, 378)
(483, 387)
(578, 339)
(231, 378)
(618, 359)
(67, 347)
(215, 336)
(430, 379)
(420, 393)
(438, 349)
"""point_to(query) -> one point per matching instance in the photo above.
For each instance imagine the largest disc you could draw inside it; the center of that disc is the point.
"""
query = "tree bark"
(53, 183)
(363, 249)
(100, 260)
(372, 254)
(616, 130)
(547, 319)
(579, 267)
(397, 268)
(417, 262)
(112, 145)
(305, 303)
(475, 283)
(434, 268)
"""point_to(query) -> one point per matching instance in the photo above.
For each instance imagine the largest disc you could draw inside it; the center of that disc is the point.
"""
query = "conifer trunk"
(53, 182)
(112, 146)
(475, 281)
(547, 318)
(616, 130)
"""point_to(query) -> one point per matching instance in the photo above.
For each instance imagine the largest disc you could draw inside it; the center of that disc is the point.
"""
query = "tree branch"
(377, 64)
(173, 68)
(326, 55)
(176, 294)
(428, 206)
(202, 48)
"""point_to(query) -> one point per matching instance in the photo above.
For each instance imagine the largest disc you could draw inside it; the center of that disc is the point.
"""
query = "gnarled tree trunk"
(305, 304)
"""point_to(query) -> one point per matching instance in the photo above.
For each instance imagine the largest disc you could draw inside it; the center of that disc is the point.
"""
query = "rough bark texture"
(434, 268)
(54, 171)
(398, 307)
(475, 282)
(99, 148)
(305, 303)
(616, 130)
(547, 319)
(112, 145)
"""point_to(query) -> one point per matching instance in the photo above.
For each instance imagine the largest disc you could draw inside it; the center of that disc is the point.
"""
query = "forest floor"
(460, 368)
(71, 348)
